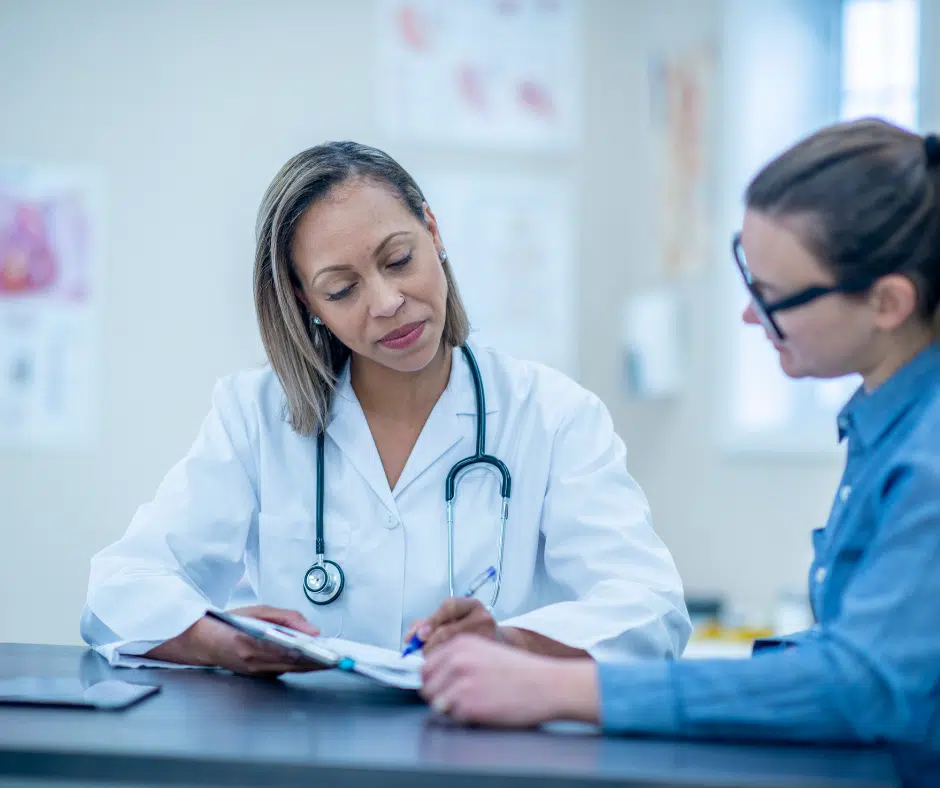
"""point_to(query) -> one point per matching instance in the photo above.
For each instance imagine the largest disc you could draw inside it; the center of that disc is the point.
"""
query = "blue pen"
(417, 643)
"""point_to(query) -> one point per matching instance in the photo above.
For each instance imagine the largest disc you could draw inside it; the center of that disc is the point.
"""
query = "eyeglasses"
(765, 311)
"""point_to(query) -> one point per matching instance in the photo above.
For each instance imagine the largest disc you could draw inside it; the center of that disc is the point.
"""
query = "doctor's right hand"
(211, 643)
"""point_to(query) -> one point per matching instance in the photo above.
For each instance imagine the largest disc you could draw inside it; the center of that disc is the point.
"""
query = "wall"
(187, 109)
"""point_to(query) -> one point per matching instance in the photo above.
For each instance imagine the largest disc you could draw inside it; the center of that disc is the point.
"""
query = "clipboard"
(290, 639)
(405, 675)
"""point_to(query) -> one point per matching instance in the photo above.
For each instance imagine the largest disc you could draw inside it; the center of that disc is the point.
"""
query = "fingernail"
(424, 632)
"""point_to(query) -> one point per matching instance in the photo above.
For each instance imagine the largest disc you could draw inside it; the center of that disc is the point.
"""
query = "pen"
(479, 581)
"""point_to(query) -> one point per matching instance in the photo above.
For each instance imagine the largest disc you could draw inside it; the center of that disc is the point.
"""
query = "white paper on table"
(380, 664)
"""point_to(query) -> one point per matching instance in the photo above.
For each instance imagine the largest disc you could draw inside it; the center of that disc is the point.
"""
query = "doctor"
(374, 396)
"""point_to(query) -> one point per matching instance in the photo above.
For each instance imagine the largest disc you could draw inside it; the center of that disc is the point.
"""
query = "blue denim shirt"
(869, 669)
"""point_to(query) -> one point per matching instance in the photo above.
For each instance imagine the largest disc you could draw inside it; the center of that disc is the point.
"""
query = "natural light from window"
(878, 77)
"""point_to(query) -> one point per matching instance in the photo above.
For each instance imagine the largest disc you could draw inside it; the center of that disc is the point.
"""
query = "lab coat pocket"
(286, 552)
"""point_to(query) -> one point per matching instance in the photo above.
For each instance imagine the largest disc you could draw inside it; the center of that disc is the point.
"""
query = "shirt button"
(390, 522)
(844, 492)
(820, 574)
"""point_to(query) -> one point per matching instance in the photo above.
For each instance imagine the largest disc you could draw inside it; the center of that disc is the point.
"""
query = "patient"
(840, 251)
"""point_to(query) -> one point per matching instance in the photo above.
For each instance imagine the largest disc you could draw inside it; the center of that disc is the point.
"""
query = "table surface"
(213, 728)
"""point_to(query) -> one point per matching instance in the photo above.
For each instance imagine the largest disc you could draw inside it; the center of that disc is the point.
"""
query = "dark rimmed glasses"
(766, 311)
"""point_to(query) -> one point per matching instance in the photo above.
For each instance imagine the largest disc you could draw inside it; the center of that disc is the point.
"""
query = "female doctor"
(375, 398)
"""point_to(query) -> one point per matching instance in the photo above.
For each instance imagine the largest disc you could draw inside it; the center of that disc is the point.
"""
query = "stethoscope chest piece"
(323, 582)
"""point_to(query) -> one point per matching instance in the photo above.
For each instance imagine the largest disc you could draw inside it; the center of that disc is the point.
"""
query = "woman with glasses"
(840, 251)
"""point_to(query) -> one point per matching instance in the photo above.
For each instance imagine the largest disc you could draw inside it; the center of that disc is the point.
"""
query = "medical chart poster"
(682, 113)
(481, 73)
(48, 339)
(510, 240)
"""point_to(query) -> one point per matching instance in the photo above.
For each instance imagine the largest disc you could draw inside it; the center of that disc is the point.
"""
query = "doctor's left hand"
(455, 616)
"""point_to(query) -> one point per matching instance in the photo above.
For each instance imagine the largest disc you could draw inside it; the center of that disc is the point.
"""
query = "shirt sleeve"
(625, 597)
(184, 551)
(870, 675)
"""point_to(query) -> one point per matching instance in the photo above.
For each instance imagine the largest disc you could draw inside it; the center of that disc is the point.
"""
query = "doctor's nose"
(385, 301)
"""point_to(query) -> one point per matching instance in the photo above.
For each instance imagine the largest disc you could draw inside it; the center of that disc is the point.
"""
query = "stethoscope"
(324, 581)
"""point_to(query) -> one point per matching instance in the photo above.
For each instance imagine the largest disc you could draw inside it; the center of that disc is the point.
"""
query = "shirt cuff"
(638, 697)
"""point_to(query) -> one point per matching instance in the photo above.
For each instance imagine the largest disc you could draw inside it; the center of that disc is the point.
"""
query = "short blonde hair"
(308, 358)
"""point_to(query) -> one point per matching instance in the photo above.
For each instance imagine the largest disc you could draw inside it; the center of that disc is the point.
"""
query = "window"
(873, 72)
(880, 60)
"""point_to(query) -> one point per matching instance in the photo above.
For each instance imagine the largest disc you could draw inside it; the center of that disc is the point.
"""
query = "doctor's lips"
(403, 337)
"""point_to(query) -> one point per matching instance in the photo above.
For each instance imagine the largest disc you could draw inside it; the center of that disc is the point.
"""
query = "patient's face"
(826, 338)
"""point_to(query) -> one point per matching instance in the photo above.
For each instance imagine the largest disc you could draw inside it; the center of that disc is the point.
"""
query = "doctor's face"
(372, 273)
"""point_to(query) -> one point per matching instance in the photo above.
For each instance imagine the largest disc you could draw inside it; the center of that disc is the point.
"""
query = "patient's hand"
(476, 681)
(211, 642)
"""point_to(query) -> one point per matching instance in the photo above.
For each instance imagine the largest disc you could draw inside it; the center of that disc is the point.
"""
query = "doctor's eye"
(401, 263)
(339, 294)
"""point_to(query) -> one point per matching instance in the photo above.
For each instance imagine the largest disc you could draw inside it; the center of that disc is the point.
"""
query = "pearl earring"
(317, 321)
(443, 256)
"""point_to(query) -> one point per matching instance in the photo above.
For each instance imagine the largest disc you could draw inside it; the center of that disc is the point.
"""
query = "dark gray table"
(330, 730)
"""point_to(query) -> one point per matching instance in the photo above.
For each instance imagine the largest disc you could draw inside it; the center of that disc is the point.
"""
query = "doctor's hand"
(456, 615)
(211, 643)
(473, 680)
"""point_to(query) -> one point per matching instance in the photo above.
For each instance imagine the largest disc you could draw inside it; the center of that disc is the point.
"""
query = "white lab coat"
(582, 563)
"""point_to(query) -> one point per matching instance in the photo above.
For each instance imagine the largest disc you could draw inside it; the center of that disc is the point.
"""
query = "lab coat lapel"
(452, 419)
(350, 431)
(440, 432)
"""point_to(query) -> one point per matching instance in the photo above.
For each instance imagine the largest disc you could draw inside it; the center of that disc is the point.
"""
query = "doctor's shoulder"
(557, 399)
(252, 400)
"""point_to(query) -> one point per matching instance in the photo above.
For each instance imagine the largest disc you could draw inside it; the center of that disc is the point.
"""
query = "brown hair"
(869, 193)
(307, 358)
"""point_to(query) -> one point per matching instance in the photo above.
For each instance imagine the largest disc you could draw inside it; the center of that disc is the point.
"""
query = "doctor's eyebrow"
(345, 266)
(384, 242)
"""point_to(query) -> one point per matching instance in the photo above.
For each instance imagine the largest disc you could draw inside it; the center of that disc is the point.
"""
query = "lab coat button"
(390, 522)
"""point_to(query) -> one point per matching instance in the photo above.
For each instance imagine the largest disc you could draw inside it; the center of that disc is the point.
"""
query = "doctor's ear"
(430, 222)
(299, 293)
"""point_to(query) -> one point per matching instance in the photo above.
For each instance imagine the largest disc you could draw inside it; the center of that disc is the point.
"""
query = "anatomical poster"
(480, 73)
(48, 340)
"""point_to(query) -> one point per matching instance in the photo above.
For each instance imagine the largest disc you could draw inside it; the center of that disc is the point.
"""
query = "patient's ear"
(895, 301)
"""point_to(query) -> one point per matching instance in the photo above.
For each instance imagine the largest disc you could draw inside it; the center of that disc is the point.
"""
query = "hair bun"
(932, 149)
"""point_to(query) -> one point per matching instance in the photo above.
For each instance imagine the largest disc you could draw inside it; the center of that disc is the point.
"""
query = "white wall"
(187, 108)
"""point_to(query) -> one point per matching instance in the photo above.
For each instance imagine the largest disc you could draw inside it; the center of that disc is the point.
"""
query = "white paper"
(384, 665)
(481, 72)
(48, 332)
(510, 242)
(374, 656)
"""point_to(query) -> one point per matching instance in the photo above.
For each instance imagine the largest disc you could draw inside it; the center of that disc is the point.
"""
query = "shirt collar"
(867, 416)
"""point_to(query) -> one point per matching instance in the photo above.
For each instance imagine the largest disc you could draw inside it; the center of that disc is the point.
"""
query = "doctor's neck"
(395, 394)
